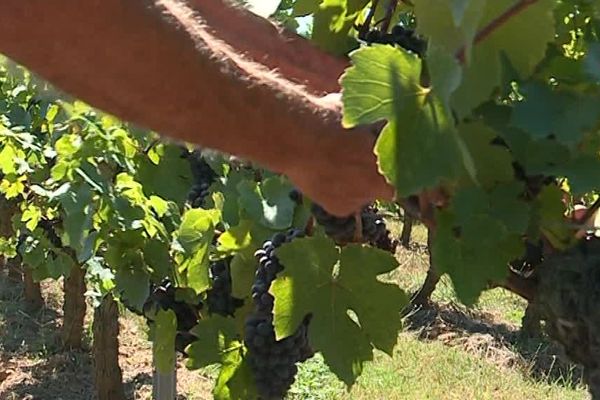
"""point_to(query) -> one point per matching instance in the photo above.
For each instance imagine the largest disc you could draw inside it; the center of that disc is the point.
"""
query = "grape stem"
(494, 24)
(364, 28)
(391, 7)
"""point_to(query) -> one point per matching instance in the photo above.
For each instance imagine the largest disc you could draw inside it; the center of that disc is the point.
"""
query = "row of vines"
(492, 141)
(182, 237)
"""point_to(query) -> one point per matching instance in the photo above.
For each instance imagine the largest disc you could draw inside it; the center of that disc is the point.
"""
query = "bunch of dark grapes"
(164, 296)
(342, 229)
(273, 361)
(375, 232)
(204, 176)
(401, 36)
(218, 298)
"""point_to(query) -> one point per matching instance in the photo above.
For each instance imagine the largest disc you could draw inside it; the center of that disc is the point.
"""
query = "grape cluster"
(203, 175)
(218, 298)
(273, 361)
(375, 232)
(342, 229)
(401, 36)
(164, 296)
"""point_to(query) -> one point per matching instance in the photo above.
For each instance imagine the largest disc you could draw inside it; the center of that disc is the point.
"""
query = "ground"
(447, 352)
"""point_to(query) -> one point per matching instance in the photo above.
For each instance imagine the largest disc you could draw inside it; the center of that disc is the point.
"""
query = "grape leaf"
(218, 343)
(195, 235)
(565, 114)
(243, 268)
(31, 216)
(163, 341)
(321, 280)
(216, 336)
(236, 238)
(492, 163)
(333, 22)
(583, 173)
(60, 266)
(7, 159)
(459, 9)
(77, 206)
(170, 179)
(419, 147)
(134, 284)
(236, 380)
(473, 259)
(548, 214)
(445, 72)
(305, 7)
(523, 38)
(156, 255)
(367, 93)
(450, 25)
(268, 203)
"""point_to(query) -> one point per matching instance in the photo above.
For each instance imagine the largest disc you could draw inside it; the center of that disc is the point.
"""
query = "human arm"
(158, 64)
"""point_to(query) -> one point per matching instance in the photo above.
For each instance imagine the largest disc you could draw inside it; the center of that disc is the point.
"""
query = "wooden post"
(164, 386)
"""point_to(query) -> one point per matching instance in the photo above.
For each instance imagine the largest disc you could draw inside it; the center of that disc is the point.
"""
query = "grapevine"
(273, 361)
(493, 143)
(343, 230)
(219, 299)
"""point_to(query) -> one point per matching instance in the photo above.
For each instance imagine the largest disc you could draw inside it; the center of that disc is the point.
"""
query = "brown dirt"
(33, 366)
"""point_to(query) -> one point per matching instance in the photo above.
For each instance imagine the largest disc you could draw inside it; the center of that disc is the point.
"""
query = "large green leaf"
(134, 284)
(268, 203)
(195, 235)
(566, 115)
(478, 236)
(78, 208)
(522, 38)
(419, 147)
(216, 336)
(492, 163)
(236, 380)
(330, 284)
(333, 23)
(170, 179)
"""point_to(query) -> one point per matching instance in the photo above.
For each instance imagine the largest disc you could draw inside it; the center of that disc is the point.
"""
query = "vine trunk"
(108, 375)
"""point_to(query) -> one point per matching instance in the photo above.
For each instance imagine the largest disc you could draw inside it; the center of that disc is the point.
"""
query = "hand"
(345, 178)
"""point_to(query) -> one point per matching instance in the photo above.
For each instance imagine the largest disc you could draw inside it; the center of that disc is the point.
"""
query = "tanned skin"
(205, 72)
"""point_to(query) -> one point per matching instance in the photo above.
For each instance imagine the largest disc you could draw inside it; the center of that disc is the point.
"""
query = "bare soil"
(33, 365)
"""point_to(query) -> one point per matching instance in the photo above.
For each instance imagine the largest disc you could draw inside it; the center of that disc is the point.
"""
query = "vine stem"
(392, 4)
(494, 24)
(364, 29)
